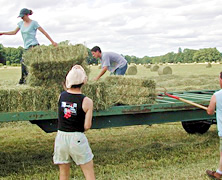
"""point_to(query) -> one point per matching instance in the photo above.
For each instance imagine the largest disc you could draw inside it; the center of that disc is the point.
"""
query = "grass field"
(163, 151)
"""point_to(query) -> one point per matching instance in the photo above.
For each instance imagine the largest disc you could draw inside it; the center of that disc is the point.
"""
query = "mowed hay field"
(163, 151)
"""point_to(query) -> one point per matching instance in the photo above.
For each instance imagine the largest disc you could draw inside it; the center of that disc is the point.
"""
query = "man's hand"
(96, 79)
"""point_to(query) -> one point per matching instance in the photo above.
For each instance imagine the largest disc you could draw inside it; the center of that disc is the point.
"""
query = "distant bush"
(1, 64)
(7, 63)
(15, 64)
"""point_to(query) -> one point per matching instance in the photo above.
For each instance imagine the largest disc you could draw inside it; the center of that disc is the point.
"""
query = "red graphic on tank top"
(70, 109)
(68, 114)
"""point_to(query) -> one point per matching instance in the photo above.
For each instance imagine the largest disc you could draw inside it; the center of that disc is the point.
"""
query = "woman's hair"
(221, 74)
(30, 12)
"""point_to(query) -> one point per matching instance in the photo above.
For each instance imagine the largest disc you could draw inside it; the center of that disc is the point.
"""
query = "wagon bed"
(165, 110)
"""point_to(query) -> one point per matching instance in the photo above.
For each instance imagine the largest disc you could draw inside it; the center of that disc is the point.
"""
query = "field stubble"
(163, 151)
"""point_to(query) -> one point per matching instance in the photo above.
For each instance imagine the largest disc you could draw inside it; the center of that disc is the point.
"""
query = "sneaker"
(214, 174)
(22, 81)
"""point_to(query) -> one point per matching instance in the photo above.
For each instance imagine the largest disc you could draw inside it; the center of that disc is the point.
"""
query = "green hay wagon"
(194, 120)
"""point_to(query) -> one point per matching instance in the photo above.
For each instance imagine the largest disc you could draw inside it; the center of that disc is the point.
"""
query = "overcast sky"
(129, 27)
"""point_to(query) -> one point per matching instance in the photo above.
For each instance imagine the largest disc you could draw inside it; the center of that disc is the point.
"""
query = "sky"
(129, 27)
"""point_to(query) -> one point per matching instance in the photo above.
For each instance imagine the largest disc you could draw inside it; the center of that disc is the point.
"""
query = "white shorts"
(71, 146)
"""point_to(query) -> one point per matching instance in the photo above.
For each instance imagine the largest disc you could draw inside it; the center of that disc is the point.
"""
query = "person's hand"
(54, 44)
(96, 79)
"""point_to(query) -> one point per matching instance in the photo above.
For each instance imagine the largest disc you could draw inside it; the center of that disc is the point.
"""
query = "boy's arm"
(88, 109)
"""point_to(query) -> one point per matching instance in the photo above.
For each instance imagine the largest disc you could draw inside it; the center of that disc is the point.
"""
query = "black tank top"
(71, 114)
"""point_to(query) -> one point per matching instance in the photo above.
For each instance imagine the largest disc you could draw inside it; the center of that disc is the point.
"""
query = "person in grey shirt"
(110, 61)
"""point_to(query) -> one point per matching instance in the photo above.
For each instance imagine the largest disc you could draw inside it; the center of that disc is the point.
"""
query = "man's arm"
(104, 69)
(212, 106)
(88, 109)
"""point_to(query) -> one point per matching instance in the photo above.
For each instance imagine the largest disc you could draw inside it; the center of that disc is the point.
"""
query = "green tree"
(145, 60)
(2, 54)
(128, 58)
(179, 50)
(188, 55)
(13, 55)
(207, 55)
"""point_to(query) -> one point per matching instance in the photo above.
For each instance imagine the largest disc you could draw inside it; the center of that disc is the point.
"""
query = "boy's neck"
(74, 91)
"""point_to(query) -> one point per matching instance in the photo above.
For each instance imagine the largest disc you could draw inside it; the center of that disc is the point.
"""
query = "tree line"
(182, 56)
(10, 55)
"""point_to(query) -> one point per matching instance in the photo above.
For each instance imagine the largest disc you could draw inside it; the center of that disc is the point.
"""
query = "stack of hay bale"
(48, 67)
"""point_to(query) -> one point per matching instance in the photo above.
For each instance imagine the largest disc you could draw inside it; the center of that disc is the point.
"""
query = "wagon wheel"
(193, 127)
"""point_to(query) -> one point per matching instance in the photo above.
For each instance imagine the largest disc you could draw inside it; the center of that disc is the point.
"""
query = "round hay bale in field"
(131, 70)
(164, 70)
(208, 65)
(148, 65)
(154, 67)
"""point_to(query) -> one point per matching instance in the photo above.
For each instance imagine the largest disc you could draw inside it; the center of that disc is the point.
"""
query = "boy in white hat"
(75, 116)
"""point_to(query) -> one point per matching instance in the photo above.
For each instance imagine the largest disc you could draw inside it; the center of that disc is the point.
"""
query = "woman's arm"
(47, 35)
(10, 32)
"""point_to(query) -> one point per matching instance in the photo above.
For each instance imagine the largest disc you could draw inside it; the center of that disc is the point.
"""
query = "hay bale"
(154, 67)
(49, 65)
(131, 70)
(147, 65)
(130, 81)
(208, 65)
(164, 70)
(97, 91)
(27, 98)
(129, 91)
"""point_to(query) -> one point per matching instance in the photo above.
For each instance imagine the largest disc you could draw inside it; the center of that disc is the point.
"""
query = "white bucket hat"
(76, 76)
